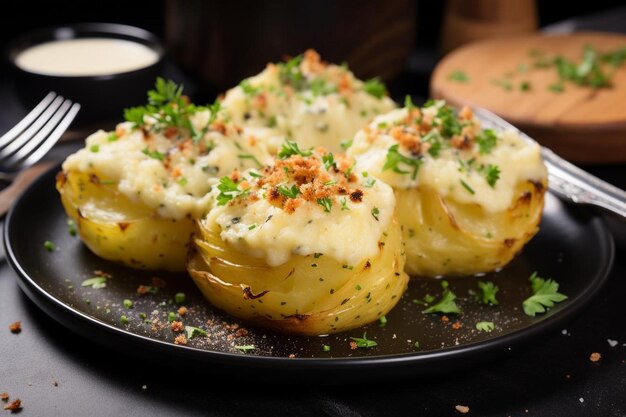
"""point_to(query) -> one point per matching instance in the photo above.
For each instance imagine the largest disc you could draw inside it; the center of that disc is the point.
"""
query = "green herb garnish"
(194, 332)
(179, 298)
(545, 295)
(363, 342)
(394, 158)
(375, 213)
(95, 282)
(245, 348)
(127, 303)
(49, 246)
(488, 291)
(153, 154)
(485, 326)
(289, 192)
(94, 148)
(446, 305)
(71, 227)
(383, 321)
(486, 140)
(467, 187)
(326, 203)
(229, 190)
(290, 148)
(458, 76)
(374, 88)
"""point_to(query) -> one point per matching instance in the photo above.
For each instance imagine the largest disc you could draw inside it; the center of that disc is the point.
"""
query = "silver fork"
(30, 139)
(565, 179)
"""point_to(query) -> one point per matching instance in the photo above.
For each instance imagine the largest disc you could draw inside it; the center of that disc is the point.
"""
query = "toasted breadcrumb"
(14, 405)
(292, 355)
(463, 409)
(4, 396)
(180, 340)
(595, 357)
(177, 326)
(353, 346)
(445, 319)
(16, 327)
(182, 311)
(457, 325)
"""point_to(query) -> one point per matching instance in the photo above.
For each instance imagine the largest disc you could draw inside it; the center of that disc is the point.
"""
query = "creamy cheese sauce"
(86, 57)
(517, 160)
(330, 108)
(135, 162)
(349, 232)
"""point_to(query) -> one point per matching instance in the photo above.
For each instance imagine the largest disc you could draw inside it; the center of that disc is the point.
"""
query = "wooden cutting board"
(582, 124)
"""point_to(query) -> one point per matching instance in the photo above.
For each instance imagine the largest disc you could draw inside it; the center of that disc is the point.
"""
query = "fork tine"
(27, 120)
(31, 144)
(25, 136)
(53, 137)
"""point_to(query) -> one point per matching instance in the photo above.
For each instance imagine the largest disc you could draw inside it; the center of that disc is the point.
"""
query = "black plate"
(573, 247)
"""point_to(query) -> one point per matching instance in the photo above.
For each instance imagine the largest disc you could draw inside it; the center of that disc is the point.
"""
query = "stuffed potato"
(468, 199)
(305, 245)
(306, 100)
(134, 193)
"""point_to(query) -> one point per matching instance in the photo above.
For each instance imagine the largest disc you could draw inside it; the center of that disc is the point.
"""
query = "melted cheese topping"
(86, 57)
(167, 170)
(457, 173)
(268, 225)
(314, 103)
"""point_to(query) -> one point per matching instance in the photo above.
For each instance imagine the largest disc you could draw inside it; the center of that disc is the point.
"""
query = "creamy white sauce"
(517, 159)
(309, 119)
(86, 57)
(349, 235)
(175, 190)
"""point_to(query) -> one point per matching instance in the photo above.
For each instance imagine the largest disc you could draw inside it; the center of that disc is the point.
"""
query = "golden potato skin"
(119, 230)
(307, 295)
(444, 237)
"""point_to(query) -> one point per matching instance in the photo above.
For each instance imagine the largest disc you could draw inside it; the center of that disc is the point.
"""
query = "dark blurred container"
(220, 42)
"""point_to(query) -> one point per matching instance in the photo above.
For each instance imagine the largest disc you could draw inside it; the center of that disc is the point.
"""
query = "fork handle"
(579, 186)
(19, 184)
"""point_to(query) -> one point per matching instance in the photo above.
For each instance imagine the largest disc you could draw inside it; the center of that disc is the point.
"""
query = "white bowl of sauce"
(103, 66)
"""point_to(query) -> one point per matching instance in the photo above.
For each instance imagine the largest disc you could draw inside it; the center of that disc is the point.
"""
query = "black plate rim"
(77, 321)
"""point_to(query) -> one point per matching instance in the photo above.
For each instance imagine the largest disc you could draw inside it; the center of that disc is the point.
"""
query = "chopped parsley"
(182, 181)
(382, 320)
(524, 86)
(435, 140)
(545, 295)
(49, 245)
(251, 157)
(485, 326)
(491, 173)
(395, 158)
(408, 102)
(124, 319)
(363, 342)
(486, 140)
(290, 73)
(345, 144)
(488, 291)
(153, 154)
(179, 298)
(375, 213)
(169, 108)
(289, 192)
(326, 348)
(228, 191)
(458, 76)
(375, 88)
(329, 161)
(245, 348)
(446, 305)
(290, 148)
(194, 332)
(467, 187)
(71, 227)
(94, 148)
(127, 303)
(95, 282)
(326, 203)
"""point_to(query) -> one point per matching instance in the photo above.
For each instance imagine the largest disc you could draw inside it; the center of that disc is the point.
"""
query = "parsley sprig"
(394, 159)
(364, 342)
(170, 108)
(290, 148)
(487, 295)
(229, 190)
(446, 305)
(375, 88)
(545, 295)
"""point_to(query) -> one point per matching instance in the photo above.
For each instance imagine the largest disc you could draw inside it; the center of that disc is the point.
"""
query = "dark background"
(25, 16)
(547, 378)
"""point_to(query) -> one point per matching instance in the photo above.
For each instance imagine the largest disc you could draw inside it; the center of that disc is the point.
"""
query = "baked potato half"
(135, 193)
(468, 198)
(301, 246)
(306, 100)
